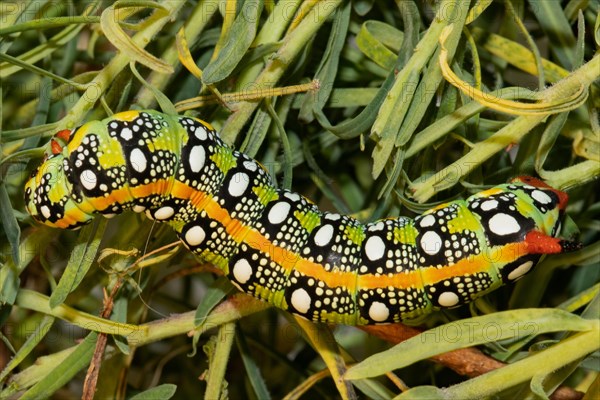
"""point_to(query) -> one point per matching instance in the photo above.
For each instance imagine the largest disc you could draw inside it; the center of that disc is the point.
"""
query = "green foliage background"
(389, 131)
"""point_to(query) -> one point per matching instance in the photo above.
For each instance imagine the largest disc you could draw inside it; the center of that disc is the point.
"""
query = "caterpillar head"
(48, 193)
(552, 203)
(536, 209)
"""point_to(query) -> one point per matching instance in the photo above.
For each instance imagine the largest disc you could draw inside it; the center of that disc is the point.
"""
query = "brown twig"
(91, 378)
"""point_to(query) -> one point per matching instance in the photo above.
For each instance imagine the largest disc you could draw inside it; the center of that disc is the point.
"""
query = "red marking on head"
(540, 243)
(55, 147)
(63, 135)
(563, 198)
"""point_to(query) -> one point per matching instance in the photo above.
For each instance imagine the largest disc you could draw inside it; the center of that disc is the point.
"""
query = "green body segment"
(278, 246)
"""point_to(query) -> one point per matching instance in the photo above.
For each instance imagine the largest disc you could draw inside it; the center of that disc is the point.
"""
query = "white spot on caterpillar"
(238, 184)
(279, 212)
(110, 215)
(541, 197)
(126, 134)
(378, 311)
(88, 179)
(242, 271)
(164, 213)
(431, 242)
(197, 158)
(374, 248)
(301, 300)
(379, 226)
(520, 270)
(45, 210)
(427, 221)
(195, 235)
(503, 224)
(324, 235)
(489, 205)
(138, 160)
(292, 196)
(250, 165)
(138, 209)
(201, 133)
(332, 216)
(448, 299)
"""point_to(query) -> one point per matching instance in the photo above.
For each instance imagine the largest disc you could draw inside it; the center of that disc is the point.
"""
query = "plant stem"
(293, 44)
(511, 133)
(100, 83)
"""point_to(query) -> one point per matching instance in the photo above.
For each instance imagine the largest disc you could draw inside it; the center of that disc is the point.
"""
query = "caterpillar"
(278, 246)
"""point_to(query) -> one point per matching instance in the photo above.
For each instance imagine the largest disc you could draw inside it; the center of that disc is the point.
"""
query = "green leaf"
(109, 22)
(64, 372)
(466, 333)
(252, 369)
(33, 340)
(213, 296)
(555, 25)
(422, 393)
(81, 260)
(328, 69)
(240, 37)
(322, 340)
(543, 362)
(378, 41)
(119, 314)
(9, 223)
(48, 47)
(163, 101)
(29, 248)
(165, 391)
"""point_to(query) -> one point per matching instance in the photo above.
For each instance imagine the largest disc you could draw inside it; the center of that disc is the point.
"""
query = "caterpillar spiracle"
(278, 246)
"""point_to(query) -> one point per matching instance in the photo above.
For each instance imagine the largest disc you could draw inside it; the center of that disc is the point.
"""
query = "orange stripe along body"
(278, 246)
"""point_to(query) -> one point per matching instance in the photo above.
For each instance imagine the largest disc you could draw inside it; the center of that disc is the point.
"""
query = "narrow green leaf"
(241, 36)
(32, 341)
(31, 375)
(327, 70)
(597, 30)
(546, 361)
(537, 386)
(551, 133)
(48, 47)
(163, 101)
(555, 25)
(285, 144)
(109, 21)
(322, 340)
(252, 369)
(466, 333)
(353, 127)
(63, 372)
(377, 40)
(9, 223)
(164, 391)
(119, 314)
(423, 393)
(29, 248)
(84, 254)
(217, 291)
